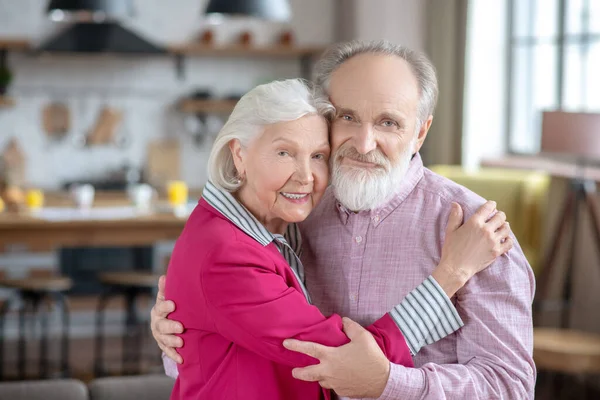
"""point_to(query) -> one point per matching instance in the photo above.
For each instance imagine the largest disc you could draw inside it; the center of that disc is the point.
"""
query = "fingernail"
(286, 343)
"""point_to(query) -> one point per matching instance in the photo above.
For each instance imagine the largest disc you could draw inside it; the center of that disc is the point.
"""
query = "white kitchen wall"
(146, 88)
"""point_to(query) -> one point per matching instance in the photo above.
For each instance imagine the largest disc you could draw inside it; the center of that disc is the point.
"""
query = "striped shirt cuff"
(426, 315)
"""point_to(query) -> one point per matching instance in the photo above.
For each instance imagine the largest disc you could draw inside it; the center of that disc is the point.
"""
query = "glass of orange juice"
(34, 198)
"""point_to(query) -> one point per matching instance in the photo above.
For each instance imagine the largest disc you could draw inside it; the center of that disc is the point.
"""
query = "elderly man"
(380, 225)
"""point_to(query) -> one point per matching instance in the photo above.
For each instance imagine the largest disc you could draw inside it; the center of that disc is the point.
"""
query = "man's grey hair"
(423, 69)
(278, 101)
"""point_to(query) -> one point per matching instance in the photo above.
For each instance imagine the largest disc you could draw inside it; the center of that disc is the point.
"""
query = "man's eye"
(319, 156)
(347, 117)
(283, 154)
(389, 123)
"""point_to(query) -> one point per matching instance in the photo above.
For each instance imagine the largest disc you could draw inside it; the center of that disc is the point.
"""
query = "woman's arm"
(254, 307)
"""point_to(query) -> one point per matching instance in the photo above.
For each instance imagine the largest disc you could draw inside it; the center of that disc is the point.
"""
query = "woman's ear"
(238, 156)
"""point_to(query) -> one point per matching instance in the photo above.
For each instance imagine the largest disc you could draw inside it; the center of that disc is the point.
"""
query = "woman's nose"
(304, 173)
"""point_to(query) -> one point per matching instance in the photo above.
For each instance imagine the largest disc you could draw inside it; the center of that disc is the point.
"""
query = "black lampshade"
(106, 9)
(275, 10)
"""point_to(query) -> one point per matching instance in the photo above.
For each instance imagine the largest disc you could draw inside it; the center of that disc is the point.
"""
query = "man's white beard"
(360, 189)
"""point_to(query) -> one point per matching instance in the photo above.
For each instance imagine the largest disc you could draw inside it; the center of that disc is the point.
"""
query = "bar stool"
(131, 285)
(566, 352)
(33, 293)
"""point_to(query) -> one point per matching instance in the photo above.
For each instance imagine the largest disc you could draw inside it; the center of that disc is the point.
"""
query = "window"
(553, 62)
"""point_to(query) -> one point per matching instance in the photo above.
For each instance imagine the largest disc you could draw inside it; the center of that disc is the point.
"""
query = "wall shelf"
(194, 106)
(244, 51)
(305, 54)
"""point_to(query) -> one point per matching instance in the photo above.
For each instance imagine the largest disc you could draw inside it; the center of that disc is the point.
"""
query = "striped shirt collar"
(230, 208)
(226, 204)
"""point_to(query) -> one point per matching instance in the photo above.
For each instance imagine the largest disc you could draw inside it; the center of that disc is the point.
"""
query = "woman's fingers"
(504, 231)
(496, 221)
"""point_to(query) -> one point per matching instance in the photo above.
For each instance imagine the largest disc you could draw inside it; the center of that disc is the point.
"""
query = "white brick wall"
(147, 86)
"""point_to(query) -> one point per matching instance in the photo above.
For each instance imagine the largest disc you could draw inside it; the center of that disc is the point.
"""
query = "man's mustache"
(374, 157)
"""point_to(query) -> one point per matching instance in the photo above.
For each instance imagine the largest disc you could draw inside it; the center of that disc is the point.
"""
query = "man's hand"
(163, 329)
(358, 369)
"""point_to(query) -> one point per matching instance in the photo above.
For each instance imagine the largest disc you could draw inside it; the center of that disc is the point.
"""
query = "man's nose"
(364, 140)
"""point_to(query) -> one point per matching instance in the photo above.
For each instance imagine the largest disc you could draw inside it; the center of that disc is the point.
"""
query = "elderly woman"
(237, 282)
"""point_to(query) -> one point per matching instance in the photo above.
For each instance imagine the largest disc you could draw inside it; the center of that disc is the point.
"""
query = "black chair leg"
(129, 336)
(63, 305)
(39, 309)
(21, 349)
(3, 311)
(99, 341)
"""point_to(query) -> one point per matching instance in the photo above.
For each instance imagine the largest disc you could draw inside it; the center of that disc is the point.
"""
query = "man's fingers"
(168, 327)
(161, 288)
(315, 350)
(170, 341)
(325, 384)
(484, 212)
(312, 373)
(352, 329)
(164, 308)
(173, 355)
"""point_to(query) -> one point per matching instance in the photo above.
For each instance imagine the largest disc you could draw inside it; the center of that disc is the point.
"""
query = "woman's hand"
(164, 330)
(471, 247)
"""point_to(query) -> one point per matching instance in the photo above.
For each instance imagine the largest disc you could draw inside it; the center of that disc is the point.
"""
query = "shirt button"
(353, 296)
(358, 239)
(376, 219)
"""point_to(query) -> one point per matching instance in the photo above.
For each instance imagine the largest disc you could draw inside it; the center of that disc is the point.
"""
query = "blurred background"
(108, 110)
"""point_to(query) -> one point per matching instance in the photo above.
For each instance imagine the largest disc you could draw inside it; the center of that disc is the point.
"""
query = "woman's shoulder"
(207, 225)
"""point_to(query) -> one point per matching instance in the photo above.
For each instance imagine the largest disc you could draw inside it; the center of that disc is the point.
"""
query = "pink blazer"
(238, 300)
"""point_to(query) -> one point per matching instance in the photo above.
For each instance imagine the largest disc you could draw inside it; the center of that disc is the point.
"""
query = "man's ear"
(238, 156)
(422, 134)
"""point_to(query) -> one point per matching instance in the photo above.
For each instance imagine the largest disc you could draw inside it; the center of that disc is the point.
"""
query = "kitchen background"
(118, 119)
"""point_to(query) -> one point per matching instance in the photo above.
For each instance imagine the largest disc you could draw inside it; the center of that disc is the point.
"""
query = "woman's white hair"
(278, 101)
(423, 69)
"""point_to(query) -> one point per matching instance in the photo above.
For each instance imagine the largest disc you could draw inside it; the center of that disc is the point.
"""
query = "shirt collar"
(234, 211)
(409, 182)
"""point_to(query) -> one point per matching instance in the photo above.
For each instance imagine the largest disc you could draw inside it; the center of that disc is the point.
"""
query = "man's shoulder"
(324, 208)
(446, 191)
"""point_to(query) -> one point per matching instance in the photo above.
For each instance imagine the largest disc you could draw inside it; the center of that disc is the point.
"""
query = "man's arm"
(494, 348)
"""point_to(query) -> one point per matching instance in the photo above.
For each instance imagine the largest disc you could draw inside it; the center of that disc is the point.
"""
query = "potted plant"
(5, 79)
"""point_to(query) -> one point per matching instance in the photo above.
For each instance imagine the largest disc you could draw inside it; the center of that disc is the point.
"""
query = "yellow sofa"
(522, 195)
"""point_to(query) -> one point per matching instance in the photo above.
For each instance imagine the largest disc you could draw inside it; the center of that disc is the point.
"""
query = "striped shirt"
(425, 316)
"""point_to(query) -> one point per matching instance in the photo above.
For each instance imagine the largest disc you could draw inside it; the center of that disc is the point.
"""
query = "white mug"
(83, 195)
(141, 196)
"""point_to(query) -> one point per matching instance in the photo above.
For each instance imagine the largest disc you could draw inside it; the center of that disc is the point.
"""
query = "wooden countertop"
(40, 234)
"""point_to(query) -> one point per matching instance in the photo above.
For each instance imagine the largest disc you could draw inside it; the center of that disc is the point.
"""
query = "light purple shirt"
(361, 264)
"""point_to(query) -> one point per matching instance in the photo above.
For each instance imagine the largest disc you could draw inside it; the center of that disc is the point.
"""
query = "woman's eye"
(283, 154)
(347, 117)
(319, 156)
